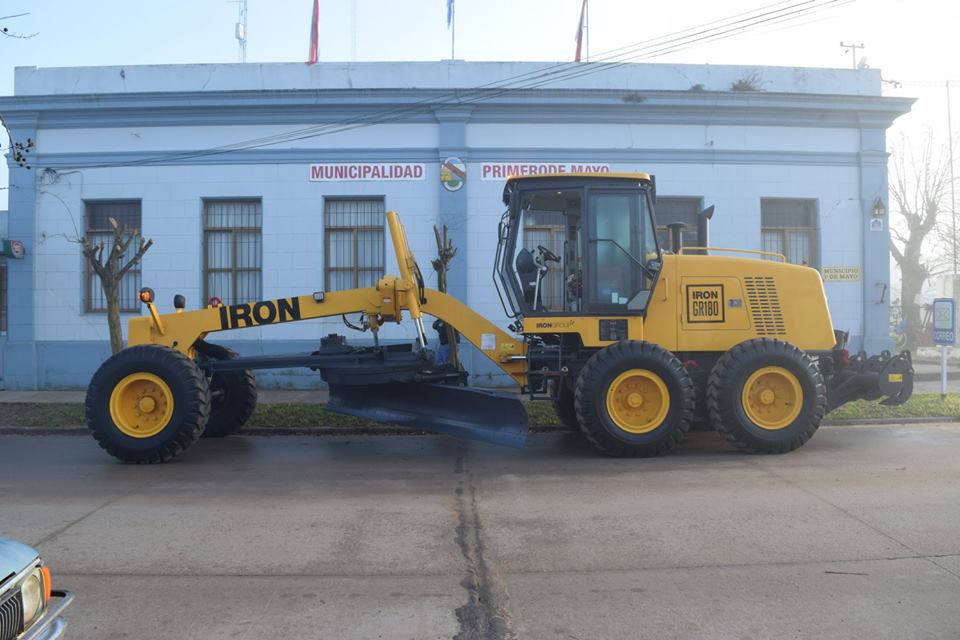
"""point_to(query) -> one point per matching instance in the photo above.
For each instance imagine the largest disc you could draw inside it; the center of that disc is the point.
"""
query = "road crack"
(485, 616)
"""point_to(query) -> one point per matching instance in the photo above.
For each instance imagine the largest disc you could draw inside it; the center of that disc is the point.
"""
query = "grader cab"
(631, 342)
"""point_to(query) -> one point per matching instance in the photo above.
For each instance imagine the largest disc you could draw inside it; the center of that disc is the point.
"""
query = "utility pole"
(953, 182)
(353, 30)
(853, 51)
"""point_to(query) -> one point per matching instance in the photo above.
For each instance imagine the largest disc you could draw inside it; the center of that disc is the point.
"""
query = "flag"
(449, 13)
(580, 25)
(314, 32)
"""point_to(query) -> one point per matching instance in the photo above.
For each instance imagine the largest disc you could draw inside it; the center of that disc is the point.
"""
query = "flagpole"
(586, 27)
(453, 29)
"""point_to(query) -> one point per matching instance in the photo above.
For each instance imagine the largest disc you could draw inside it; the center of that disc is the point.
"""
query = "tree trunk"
(912, 282)
(445, 253)
(112, 294)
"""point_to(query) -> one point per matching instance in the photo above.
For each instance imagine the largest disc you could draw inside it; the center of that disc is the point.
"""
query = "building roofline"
(444, 75)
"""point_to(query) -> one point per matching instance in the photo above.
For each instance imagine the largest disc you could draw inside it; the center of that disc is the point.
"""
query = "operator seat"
(526, 269)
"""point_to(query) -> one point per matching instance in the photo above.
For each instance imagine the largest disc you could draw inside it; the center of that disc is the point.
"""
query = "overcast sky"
(910, 41)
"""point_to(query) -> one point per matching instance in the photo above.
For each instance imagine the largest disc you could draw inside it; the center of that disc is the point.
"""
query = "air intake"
(764, 306)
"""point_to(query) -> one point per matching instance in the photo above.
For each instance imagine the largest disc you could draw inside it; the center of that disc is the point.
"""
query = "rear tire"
(147, 404)
(233, 395)
(766, 396)
(634, 399)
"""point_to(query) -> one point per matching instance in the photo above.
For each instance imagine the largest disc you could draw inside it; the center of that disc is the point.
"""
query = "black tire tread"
(564, 404)
(722, 413)
(226, 420)
(197, 410)
(587, 412)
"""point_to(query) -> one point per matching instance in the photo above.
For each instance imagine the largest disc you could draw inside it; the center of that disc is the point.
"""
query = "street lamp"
(878, 209)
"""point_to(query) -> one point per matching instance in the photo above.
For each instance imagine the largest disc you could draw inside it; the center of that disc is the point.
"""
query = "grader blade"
(487, 416)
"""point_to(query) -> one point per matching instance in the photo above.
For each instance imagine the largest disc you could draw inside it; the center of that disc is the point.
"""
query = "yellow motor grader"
(630, 341)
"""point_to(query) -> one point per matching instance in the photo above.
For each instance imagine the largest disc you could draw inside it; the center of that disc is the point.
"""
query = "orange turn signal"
(47, 583)
(146, 295)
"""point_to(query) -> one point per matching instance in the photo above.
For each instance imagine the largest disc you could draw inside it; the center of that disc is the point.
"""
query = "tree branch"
(144, 246)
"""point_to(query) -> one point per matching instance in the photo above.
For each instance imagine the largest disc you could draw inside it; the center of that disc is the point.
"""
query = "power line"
(662, 45)
(546, 75)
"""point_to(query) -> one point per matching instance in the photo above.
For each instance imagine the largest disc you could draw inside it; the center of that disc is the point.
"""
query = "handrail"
(752, 251)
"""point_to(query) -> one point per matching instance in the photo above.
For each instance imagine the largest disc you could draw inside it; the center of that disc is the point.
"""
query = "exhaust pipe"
(703, 228)
(676, 236)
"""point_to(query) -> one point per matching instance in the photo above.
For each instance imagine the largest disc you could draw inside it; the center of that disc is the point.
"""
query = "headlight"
(32, 592)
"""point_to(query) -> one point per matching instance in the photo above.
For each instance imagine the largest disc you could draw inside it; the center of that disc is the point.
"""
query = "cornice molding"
(432, 155)
(571, 105)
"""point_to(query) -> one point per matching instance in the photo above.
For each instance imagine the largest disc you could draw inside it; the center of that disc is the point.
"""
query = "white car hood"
(14, 558)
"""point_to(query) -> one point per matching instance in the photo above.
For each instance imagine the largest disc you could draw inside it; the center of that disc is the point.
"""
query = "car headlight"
(33, 591)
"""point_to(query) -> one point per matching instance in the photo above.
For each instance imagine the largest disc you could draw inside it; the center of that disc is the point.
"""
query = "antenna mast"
(241, 29)
(852, 48)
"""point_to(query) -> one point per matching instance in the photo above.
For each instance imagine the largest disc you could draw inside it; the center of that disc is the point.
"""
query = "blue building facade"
(262, 181)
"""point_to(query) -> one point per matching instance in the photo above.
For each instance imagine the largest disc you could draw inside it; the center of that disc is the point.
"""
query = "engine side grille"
(764, 306)
(11, 617)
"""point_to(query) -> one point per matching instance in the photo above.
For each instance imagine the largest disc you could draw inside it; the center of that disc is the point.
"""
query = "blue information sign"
(944, 327)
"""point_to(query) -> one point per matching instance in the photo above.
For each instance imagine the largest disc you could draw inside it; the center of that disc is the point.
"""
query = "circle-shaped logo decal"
(453, 173)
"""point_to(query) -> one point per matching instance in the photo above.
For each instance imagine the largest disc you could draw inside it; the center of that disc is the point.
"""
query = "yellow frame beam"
(385, 302)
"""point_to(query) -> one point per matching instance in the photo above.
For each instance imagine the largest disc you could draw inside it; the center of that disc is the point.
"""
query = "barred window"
(99, 230)
(789, 226)
(670, 209)
(354, 255)
(232, 250)
(547, 228)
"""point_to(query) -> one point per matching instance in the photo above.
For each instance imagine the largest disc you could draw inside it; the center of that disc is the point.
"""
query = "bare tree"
(111, 269)
(918, 186)
(5, 30)
(18, 149)
(445, 253)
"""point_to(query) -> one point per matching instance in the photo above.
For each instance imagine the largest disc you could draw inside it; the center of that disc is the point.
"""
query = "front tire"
(634, 399)
(233, 395)
(766, 396)
(147, 404)
(564, 404)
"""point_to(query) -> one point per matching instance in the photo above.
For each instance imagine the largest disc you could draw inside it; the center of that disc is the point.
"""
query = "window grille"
(789, 226)
(547, 228)
(683, 209)
(99, 230)
(232, 250)
(354, 236)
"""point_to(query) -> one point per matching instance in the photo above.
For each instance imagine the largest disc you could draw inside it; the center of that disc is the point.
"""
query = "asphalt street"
(853, 536)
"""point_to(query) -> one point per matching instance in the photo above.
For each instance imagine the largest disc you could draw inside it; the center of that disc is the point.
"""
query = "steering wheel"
(548, 256)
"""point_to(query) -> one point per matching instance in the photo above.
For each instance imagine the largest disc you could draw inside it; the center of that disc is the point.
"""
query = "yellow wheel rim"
(772, 398)
(141, 405)
(638, 401)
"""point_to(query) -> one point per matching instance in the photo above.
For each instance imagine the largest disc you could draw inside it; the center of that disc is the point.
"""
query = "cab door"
(623, 259)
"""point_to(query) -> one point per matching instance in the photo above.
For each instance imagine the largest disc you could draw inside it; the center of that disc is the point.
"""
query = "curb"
(400, 431)
(890, 421)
